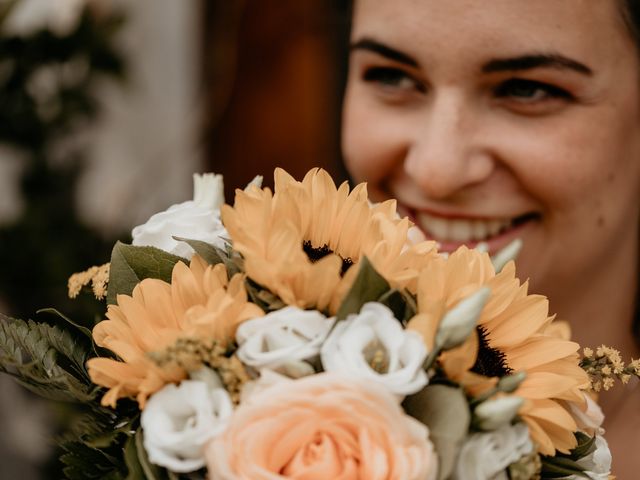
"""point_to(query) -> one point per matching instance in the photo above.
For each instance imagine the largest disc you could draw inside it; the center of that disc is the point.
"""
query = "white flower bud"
(597, 465)
(493, 414)
(508, 253)
(458, 323)
(510, 383)
(256, 182)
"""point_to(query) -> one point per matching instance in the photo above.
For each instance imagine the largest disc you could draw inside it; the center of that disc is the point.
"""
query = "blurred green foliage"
(47, 96)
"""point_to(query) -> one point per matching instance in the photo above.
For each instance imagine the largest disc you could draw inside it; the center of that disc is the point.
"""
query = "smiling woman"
(521, 120)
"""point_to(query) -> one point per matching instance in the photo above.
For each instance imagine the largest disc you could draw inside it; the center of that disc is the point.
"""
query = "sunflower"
(200, 303)
(302, 241)
(513, 334)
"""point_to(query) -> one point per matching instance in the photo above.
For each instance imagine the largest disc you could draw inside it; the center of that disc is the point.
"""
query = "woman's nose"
(448, 152)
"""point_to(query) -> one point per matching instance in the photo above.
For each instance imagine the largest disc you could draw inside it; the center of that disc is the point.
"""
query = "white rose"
(30, 16)
(373, 345)
(485, 456)
(197, 219)
(179, 420)
(283, 340)
(597, 465)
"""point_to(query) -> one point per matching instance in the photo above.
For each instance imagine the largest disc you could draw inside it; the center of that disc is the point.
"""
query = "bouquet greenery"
(307, 333)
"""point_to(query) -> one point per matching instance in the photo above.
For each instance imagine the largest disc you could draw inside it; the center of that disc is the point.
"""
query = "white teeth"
(458, 230)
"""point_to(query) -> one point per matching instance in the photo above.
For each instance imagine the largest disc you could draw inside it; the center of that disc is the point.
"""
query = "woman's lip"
(411, 212)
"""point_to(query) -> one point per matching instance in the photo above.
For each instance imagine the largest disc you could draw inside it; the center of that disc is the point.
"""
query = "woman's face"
(491, 120)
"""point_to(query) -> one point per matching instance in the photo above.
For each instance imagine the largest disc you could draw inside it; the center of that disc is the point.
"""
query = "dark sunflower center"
(317, 253)
(491, 362)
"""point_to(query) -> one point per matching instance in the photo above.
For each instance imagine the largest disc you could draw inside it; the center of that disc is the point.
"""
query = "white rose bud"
(179, 420)
(282, 340)
(597, 465)
(197, 219)
(458, 323)
(508, 253)
(589, 420)
(493, 414)
(485, 456)
(373, 345)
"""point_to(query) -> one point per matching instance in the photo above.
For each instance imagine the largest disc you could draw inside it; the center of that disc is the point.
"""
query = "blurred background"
(107, 108)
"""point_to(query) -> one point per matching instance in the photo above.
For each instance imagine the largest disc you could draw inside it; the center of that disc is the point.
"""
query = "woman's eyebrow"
(528, 62)
(386, 51)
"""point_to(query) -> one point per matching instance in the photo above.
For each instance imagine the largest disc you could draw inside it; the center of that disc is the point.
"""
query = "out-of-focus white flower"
(178, 420)
(197, 219)
(494, 414)
(282, 340)
(485, 456)
(30, 16)
(373, 345)
(458, 323)
(597, 465)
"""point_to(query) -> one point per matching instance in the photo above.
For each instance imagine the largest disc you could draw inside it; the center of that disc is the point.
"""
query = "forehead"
(592, 30)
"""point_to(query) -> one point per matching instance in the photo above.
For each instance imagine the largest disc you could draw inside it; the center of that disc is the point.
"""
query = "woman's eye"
(391, 78)
(530, 91)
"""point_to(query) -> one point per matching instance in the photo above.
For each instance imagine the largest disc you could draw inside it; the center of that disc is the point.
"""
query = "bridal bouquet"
(306, 333)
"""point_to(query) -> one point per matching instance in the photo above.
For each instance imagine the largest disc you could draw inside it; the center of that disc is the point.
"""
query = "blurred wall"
(146, 148)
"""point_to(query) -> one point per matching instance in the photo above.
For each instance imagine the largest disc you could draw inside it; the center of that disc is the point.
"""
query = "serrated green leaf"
(445, 411)
(131, 264)
(368, 286)
(45, 359)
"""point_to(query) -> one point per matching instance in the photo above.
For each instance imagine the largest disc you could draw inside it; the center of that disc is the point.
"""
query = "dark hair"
(631, 15)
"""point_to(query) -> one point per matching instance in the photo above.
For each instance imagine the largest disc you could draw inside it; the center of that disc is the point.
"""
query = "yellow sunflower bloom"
(301, 241)
(200, 303)
(513, 335)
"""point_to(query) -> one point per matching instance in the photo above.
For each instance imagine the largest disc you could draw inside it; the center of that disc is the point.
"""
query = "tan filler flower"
(511, 337)
(322, 427)
(301, 241)
(200, 303)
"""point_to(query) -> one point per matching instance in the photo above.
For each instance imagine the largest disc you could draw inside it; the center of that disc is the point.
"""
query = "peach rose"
(325, 426)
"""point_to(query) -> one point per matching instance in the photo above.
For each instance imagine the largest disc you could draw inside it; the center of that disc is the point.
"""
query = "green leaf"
(560, 467)
(369, 286)
(45, 359)
(131, 264)
(586, 446)
(262, 297)
(83, 330)
(214, 255)
(445, 411)
(401, 303)
(140, 468)
(85, 463)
